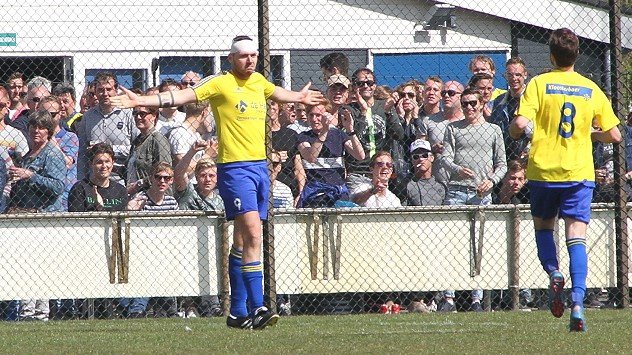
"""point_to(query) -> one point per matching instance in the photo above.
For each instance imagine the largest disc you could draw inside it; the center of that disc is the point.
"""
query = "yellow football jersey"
(562, 106)
(239, 107)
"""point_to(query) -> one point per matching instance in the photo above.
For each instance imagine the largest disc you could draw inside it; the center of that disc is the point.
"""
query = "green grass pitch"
(498, 332)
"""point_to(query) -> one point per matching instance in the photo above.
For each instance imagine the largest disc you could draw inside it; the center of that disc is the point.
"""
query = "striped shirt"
(169, 203)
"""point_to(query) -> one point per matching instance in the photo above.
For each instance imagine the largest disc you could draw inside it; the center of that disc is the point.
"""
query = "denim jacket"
(43, 191)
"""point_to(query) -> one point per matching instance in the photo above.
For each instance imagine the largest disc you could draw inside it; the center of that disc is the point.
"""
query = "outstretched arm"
(164, 99)
(305, 96)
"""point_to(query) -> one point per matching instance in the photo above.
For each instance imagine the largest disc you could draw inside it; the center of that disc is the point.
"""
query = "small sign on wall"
(8, 39)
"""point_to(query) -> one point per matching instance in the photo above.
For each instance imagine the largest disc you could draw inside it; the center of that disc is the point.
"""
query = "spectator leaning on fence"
(243, 174)
(322, 150)
(376, 193)
(98, 192)
(564, 106)
(66, 141)
(202, 195)
(154, 199)
(106, 123)
(512, 188)
(423, 189)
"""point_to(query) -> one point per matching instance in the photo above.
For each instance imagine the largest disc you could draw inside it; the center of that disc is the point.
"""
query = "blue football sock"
(546, 250)
(578, 268)
(253, 281)
(238, 294)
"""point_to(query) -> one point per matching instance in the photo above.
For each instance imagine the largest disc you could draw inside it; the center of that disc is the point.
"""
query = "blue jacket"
(43, 191)
(502, 117)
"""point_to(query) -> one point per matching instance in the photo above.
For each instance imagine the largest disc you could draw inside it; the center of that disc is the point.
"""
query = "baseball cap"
(338, 79)
(448, 293)
(420, 144)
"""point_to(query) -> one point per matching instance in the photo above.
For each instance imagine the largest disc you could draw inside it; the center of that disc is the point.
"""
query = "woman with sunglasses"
(406, 109)
(148, 148)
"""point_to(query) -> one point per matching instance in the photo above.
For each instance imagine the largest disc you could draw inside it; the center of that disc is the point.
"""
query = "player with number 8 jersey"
(562, 105)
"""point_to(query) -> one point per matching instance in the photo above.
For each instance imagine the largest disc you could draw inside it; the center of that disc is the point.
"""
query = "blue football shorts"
(566, 199)
(244, 187)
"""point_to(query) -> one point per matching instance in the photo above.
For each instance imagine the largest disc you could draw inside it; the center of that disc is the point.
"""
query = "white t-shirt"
(375, 201)
(282, 195)
(13, 141)
(181, 140)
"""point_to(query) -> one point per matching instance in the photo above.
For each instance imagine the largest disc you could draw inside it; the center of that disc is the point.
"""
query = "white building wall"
(119, 34)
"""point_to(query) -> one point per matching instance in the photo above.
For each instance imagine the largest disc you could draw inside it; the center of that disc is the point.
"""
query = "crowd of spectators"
(423, 143)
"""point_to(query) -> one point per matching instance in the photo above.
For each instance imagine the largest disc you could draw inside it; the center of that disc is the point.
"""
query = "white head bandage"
(244, 46)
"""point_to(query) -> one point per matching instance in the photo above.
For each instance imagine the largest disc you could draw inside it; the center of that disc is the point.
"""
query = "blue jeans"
(460, 195)
(11, 310)
(134, 305)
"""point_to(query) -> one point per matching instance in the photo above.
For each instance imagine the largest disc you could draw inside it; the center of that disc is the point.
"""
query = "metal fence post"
(621, 213)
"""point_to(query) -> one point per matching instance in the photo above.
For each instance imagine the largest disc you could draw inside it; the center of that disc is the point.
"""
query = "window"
(129, 78)
(174, 67)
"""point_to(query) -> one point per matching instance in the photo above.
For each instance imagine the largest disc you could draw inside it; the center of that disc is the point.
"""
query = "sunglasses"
(420, 156)
(363, 83)
(53, 114)
(472, 103)
(140, 114)
(410, 95)
(383, 164)
(188, 83)
(449, 92)
(163, 177)
(35, 99)
(276, 163)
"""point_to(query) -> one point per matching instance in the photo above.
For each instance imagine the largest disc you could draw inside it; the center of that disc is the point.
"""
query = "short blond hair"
(204, 163)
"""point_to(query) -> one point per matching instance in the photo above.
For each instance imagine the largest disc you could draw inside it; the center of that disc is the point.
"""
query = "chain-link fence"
(387, 223)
